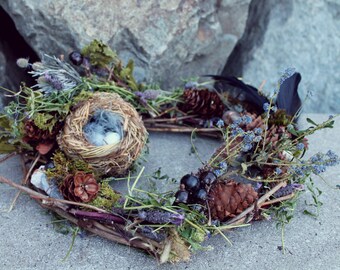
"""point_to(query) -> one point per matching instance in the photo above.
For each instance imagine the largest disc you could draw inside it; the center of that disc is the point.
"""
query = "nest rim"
(111, 159)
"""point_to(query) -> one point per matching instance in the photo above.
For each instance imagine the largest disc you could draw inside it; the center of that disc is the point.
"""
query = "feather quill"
(288, 97)
(245, 93)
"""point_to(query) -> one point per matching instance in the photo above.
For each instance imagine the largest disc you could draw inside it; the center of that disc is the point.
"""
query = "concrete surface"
(28, 240)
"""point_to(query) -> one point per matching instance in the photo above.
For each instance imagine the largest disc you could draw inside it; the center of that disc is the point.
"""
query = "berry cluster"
(195, 189)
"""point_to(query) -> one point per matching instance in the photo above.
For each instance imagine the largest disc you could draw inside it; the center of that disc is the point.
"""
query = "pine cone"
(204, 103)
(33, 134)
(80, 187)
(228, 199)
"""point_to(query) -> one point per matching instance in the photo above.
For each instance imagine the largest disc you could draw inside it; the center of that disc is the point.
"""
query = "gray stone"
(301, 34)
(168, 39)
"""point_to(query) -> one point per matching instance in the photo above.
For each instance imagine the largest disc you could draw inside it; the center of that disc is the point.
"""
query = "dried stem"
(281, 199)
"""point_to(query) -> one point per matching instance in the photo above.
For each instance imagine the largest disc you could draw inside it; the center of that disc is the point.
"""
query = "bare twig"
(281, 199)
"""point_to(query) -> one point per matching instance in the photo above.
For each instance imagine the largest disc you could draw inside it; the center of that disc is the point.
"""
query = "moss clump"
(106, 197)
(64, 166)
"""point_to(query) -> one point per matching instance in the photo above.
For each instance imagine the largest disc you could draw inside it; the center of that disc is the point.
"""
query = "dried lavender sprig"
(150, 233)
(55, 75)
(146, 95)
(289, 189)
(161, 217)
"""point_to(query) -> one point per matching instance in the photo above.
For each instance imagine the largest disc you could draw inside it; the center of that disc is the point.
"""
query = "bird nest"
(112, 159)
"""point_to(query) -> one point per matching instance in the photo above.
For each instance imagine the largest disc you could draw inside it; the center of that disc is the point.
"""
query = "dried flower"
(161, 217)
(85, 186)
(220, 123)
(278, 171)
(23, 63)
(288, 72)
(284, 191)
(300, 146)
(55, 75)
(147, 95)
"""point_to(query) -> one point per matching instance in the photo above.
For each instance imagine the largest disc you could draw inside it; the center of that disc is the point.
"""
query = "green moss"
(106, 197)
(99, 53)
(280, 118)
(45, 121)
(64, 166)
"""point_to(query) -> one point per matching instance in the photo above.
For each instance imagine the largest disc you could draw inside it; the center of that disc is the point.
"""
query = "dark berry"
(201, 194)
(190, 182)
(49, 165)
(197, 207)
(76, 58)
(182, 196)
(208, 178)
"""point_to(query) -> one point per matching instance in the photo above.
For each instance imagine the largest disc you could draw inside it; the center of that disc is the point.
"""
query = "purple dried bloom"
(150, 233)
(53, 81)
(288, 72)
(220, 123)
(246, 147)
(218, 172)
(238, 121)
(161, 217)
(266, 107)
(289, 189)
(248, 137)
(246, 119)
(257, 139)
(278, 171)
(190, 85)
(233, 126)
(223, 165)
(300, 146)
(258, 185)
(146, 95)
(258, 131)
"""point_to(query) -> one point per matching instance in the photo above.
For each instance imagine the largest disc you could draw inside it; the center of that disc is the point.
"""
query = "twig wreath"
(84, 123)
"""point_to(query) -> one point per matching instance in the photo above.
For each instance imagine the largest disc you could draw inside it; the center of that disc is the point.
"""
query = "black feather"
(288, 97)
(250, 95)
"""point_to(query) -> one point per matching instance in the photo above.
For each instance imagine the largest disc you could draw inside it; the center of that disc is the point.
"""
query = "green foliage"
(106, 198)
(99, 54)
(45, 121)
(10, 138)
(316, 203)
(64, 166)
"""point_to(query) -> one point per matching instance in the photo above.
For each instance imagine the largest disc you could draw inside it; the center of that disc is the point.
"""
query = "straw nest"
(111, 159)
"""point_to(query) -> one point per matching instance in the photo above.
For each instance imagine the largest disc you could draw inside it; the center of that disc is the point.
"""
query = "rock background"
(304, 34)
(174, 39)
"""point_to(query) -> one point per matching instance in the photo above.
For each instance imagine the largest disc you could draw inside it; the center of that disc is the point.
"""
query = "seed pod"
(201, 194)
(182, 196)
(76, 58)
(208, 178)
(190, 182)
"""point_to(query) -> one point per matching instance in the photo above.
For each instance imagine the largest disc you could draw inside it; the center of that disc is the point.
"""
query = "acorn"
(76, 58)
(208, 178)
(190, 182)
(181, 196)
